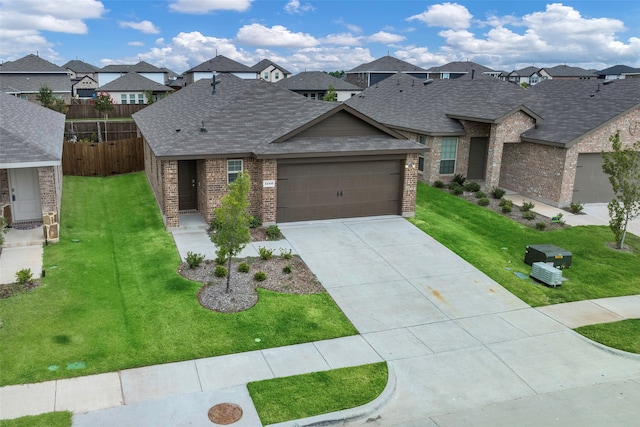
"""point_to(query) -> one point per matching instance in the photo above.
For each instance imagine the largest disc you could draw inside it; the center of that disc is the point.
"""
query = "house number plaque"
(269, 183)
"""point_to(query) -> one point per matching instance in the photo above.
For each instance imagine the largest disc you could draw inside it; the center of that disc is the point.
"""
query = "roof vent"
(608, 82)
(202, 128)
(427, 82)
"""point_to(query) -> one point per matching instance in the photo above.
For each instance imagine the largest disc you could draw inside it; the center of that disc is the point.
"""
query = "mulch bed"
(11, 289)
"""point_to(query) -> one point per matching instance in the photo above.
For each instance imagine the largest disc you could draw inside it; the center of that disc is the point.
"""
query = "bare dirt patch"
(15, 288)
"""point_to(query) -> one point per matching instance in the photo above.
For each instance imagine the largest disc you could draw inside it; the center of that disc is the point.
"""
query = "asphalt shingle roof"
(386, 64)
(618, 70)
(220, 64)
(242, 117)
(78, 66)
(460, 67)
(29, 132)
(567, 71)
(134, 82)
(316, 80)
(31, 83)
(31, 63)
(262, 65)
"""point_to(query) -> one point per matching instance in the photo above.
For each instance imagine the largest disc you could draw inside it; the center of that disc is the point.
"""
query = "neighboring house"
(133, 88)
(31, 139)
(529, 75)
(111, 72)
(618, 72)
(270, 71)
(217, 65)
(307, 159)
(543, 143)
(315, 84)
(369, 74)
(25, 76)
(565, 72)
(454, 70)
(85, 87)
(78, 69)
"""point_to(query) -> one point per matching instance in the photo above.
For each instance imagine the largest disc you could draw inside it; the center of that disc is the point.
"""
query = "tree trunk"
(229, 275)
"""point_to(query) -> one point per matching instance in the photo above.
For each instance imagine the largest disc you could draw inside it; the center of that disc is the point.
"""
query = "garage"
(314, 189)
(591, 184)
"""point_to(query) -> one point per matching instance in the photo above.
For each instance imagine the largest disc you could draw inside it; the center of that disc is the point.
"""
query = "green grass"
(114, 300)
(50, 419)
(301, 396)
(494, 243)
(623, 335)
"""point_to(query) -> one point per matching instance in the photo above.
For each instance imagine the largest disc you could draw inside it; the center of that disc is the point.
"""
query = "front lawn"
(112, 298)
(50, 419)
(496, 245)
(624, 335)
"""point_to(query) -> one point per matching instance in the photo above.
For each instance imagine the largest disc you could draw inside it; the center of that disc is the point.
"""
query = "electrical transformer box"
(549, 254)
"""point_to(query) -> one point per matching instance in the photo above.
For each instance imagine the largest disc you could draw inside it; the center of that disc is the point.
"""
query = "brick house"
(544, 143)
(307, 159)
(25, 76)
(30, 160)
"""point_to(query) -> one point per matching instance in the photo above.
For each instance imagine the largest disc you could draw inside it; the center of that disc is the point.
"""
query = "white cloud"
(448, 15)
(204, 6)
(23, 21)
(259, 35)
(386, 38)
(294, 7)
(422, 57)
(134, 43)
(343, 39)
(146, 27)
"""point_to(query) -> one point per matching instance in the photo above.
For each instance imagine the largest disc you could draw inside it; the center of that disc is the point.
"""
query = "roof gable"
(316, 80)
(386, 64)
(31, 64)
(266, 63)
(133, 82)
(220, 64)
(80, 67)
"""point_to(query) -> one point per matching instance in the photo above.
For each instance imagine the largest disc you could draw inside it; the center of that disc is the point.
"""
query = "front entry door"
(478, 158)
(25, 194)
(187, 185)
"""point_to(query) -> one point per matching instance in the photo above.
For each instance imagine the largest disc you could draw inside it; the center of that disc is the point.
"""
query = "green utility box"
(549, 254)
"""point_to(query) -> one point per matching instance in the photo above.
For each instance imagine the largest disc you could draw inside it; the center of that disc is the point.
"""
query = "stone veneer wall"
(50, 178)
(170, 197)
(409, 187)
(5, 197)
(269, 199)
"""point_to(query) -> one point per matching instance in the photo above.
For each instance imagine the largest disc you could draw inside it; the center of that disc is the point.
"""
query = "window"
(140, 98)
(534, 79)
(234, 167)
(422, 139)
(266, 75)
(123, 98)
(277, 75)
(132, 98)
(448, 155)
(445, 75)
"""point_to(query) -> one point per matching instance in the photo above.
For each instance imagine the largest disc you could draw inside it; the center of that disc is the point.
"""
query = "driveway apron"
(457, 340)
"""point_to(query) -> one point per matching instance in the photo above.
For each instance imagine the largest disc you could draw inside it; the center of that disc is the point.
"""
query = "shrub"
(24, 276)
(243, 267)
(453, 185)
(507, 206)
(473, 187)
(459, 179)
(529, 215)
(483, 201)
(254, 222)
(497, 193)
(260, 276)
(265, 253)
(286, 269)
(540, 225)
(557, 219)
(457, 190)
(438, 184)
(285, 253)
(221, 257)
(194, 260)
(273, 232)
(504, 201)
(220, 271)
(576, 207)
(527, 206)
(481, 195)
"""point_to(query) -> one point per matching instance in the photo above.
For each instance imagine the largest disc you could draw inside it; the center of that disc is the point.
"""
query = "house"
(134, 88)
(31, 139)
(78, 69)
(270, 71)
(307, 159)
(369, 74)
(565, 72)
(456, 69)
(85, 87)
(618, 72)
(216, 65)
(315, 84)
(25, 76)
(528, 75)
(111, 72)
(543, 143)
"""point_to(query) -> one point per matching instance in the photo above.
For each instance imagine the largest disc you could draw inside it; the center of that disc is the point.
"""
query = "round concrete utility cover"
(225, 413)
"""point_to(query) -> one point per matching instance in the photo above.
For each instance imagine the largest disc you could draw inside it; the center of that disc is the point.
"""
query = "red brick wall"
(170, 192)
(410, 186)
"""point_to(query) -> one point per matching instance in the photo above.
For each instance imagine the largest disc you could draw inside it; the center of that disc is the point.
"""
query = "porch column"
(170, 193)
(494, 160)
(269, 199)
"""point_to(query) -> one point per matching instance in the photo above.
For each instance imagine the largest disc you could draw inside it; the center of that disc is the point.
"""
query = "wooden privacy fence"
(88, 111)
(102, 159)
(109, 131)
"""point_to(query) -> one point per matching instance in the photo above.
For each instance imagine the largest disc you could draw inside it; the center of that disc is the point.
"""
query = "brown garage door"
(591, 184)
(338, 190)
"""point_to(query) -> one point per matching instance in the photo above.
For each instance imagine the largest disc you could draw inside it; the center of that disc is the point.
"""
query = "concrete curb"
(348, 415)
(617, 352)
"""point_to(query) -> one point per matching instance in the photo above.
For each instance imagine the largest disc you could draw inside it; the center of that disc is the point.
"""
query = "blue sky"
(324, 35)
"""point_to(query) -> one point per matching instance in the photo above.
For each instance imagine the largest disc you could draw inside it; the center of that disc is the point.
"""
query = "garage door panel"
(338, 190)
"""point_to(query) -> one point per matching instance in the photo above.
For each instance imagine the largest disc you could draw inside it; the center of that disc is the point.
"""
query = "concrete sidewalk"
(461, 347)
(21, 249)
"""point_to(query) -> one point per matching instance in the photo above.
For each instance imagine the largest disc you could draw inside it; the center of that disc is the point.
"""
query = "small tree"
(232, 217)
(60, 106)
(331, 94)
(623, 167)
(103, 103)
(45, 96)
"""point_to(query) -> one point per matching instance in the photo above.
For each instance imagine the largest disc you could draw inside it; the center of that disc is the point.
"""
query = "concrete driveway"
(465, 351)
